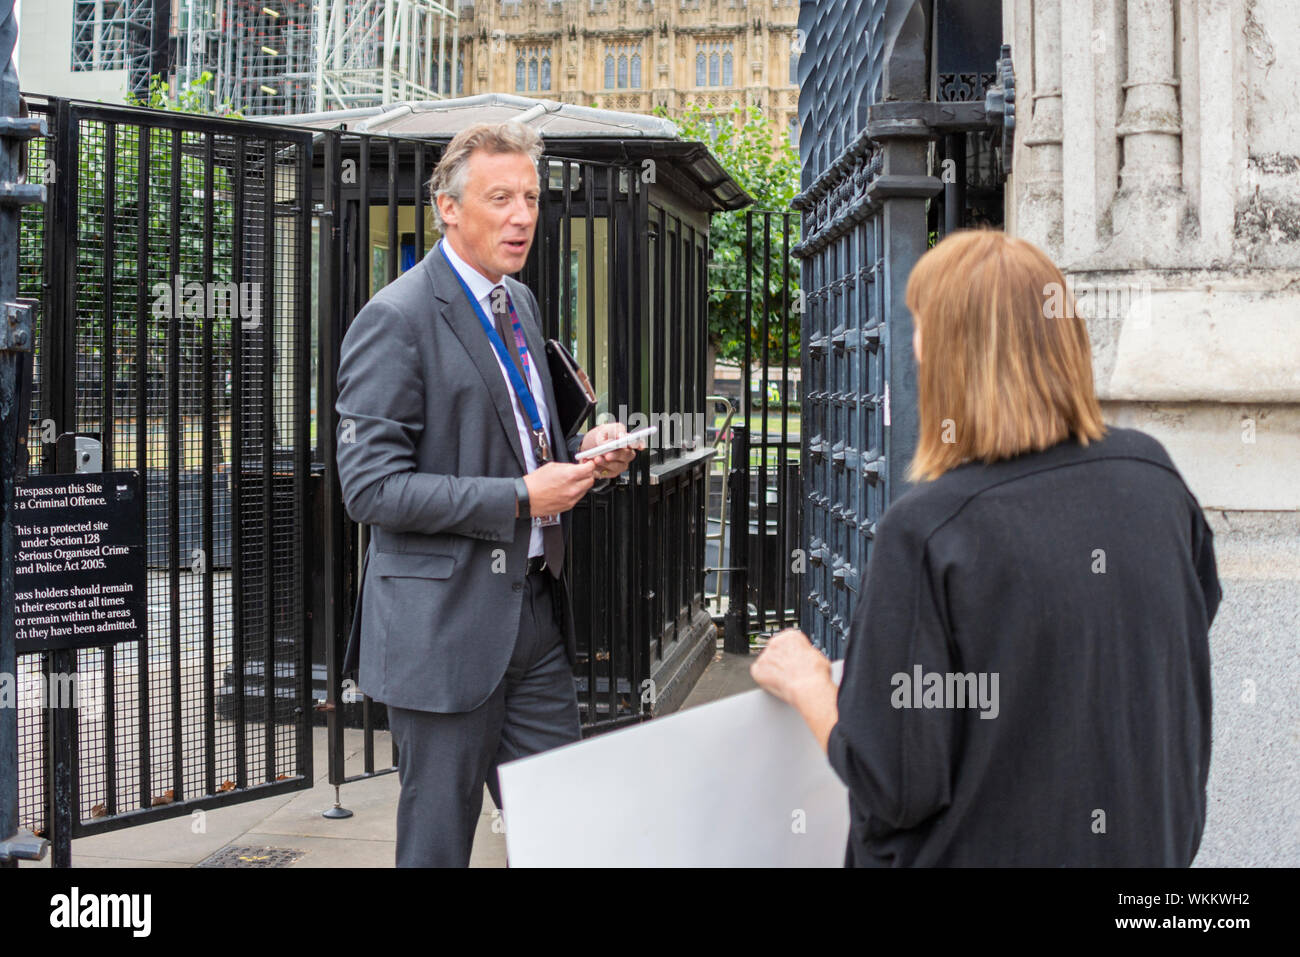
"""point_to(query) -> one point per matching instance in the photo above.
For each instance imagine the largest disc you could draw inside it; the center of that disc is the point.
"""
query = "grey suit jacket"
(428, 453)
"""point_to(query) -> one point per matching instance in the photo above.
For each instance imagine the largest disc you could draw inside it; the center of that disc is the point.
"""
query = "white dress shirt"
(480, 286)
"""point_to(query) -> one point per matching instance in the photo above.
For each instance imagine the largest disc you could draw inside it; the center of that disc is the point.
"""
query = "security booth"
(619, 268)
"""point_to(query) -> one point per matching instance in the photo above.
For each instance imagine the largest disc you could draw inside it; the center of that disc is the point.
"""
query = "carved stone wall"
(1160, 167)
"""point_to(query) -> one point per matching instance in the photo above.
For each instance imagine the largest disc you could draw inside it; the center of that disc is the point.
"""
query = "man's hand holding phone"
(615, 462)
(557, 487)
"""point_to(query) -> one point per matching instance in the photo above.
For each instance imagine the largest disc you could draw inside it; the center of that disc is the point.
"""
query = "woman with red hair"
(1027, 674)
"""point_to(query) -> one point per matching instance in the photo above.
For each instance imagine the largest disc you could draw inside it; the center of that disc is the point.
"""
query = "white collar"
(479, 285)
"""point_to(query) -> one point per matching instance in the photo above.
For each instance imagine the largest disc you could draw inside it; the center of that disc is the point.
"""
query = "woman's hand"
(790, 664)
(800, 675)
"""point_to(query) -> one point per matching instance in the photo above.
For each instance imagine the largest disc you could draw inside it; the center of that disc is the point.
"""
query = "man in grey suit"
(450, 448)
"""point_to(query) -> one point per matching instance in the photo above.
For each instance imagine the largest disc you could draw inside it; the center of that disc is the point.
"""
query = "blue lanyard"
(524, 394)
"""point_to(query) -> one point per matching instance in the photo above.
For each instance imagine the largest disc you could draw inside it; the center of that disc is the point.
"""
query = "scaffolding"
(259, 53)
(372, 52)
(116, 35)
(274, 57)
(268, 59)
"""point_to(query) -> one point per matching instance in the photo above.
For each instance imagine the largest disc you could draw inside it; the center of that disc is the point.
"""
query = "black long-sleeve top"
(1085, 579)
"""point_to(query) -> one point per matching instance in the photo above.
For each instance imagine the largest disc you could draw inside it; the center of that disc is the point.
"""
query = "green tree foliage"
(758, 155)
(191, 98)
(184, 223)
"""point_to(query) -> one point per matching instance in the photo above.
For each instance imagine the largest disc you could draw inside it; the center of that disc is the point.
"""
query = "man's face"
(492, 226)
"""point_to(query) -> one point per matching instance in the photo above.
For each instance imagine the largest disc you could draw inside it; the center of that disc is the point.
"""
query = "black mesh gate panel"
(172, 267)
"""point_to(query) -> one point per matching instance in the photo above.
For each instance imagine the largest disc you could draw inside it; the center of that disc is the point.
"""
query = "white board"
(736, 783)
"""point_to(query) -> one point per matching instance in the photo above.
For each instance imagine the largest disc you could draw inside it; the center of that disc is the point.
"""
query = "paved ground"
(1253, 818)
(294, 822)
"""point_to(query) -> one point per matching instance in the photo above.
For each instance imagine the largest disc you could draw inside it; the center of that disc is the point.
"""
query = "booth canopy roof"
(614, 135)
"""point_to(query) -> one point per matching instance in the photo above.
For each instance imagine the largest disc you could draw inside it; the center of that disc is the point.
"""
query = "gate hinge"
(21, 194)
(924, 119)
(16, 329)
(23, 846)
(22, 127)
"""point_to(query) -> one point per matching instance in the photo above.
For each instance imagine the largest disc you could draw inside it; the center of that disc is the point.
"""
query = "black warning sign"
(79, 570)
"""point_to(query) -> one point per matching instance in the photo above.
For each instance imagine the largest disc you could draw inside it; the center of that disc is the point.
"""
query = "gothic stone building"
(635, 55)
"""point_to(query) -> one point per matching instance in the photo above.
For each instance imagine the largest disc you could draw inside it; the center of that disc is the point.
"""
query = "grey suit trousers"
(443, 760)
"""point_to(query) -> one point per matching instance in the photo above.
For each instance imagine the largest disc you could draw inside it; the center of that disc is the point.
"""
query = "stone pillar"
(1040, 219)
(1151, 202)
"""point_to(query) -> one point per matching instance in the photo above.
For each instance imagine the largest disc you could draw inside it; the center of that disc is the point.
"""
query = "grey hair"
(449, 175)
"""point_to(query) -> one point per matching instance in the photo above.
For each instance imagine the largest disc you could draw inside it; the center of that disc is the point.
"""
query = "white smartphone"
(623, 441)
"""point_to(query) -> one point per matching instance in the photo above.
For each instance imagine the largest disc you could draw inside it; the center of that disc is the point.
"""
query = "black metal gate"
(763, 557)
(579, 199)
(171, 269)
(636, 561)
(870, 173)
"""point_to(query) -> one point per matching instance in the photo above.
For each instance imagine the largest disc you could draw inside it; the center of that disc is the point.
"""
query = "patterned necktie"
(501, 306)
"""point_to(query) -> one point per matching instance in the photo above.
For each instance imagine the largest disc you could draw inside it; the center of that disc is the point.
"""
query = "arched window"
(699, 69)
(546, 70)
(726, 69)
(532, 73)
(519, 72)
(794, 131)
(794, 67)
(609, 71)
(460, 75)
(622, 71)
(713, 69)
(636, 71)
